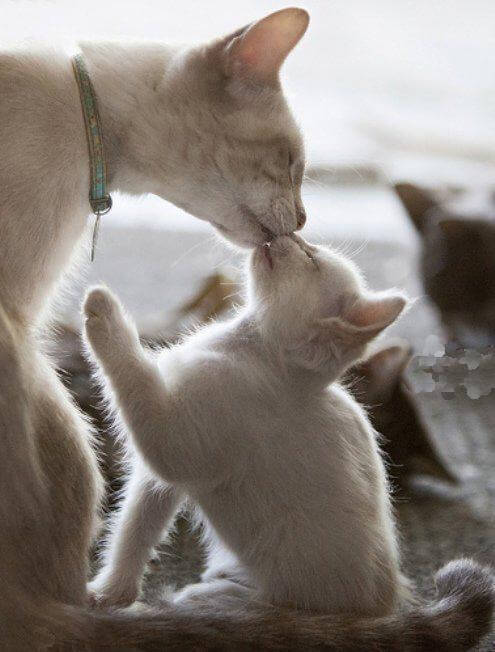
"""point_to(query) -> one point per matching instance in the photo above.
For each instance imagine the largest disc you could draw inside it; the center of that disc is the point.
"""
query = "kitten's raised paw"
(100, 303)
(103, 319)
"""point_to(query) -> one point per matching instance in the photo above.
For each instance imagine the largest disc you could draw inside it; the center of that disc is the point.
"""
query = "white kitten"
(247, 420)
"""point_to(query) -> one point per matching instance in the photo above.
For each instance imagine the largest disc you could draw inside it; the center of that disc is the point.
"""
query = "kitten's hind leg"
(146, 510)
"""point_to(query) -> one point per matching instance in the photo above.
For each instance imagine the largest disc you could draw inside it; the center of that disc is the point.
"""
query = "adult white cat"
(247, 420)
(207, 128)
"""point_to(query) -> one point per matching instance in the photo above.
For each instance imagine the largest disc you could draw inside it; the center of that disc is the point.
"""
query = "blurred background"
(405, 86)
(386, 92)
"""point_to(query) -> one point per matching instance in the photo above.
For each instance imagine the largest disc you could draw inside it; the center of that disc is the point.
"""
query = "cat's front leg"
(145, 512)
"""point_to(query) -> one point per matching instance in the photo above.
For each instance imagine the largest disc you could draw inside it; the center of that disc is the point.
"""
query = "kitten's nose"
(301, 219)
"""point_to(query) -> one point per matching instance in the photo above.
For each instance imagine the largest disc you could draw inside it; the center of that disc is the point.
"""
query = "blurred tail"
(455, 621)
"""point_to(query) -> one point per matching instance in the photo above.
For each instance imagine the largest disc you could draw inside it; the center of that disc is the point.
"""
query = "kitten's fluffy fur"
(207, 128)
(248, 421)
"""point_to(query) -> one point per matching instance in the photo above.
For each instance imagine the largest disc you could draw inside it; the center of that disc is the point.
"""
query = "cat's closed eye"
(296, 171)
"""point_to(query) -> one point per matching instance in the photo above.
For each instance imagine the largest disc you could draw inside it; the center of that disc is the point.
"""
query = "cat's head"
(313, 304)
(457, 230)
(238, 153)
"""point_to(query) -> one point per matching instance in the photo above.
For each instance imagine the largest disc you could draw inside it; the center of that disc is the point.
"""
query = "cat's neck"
(45, 183)
(130, 84)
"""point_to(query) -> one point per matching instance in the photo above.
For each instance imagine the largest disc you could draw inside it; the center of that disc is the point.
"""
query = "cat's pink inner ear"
(375, 311)
(261, 50)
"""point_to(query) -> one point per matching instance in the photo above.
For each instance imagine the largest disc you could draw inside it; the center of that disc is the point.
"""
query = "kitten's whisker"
(188, 251)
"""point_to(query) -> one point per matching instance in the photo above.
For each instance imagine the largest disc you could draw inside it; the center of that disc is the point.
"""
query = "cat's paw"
(103, 593)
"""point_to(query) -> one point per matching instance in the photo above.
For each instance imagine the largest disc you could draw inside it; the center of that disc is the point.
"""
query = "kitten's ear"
(417, 202)
(382, 371)
(370, 314)
(333, 339)
(258, 52)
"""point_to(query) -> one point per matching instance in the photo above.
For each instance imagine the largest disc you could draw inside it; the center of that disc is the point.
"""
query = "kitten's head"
(313, 304)
(238, 153)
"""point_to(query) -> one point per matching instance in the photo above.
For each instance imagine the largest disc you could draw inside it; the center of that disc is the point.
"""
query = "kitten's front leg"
(146, 510)
(156, 424)
(112, 336)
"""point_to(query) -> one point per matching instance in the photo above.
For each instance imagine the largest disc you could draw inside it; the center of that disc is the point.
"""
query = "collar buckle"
(101, 205)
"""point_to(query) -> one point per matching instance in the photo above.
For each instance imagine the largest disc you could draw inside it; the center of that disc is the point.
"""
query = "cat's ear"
(258, 52)
(452, 227)
(418, 202)
(381, 372)
(332, 340)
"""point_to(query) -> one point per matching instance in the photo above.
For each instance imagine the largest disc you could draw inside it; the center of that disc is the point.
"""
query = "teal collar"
(100, 201)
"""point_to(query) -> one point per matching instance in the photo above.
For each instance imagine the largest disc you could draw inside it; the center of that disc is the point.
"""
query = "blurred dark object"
(380, 385)
(457, 230)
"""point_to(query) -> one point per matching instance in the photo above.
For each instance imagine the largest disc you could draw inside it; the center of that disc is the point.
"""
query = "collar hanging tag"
(99, 200)
(94, 239)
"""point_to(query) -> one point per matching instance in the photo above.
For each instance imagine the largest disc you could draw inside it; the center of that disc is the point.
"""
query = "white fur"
(248, 420)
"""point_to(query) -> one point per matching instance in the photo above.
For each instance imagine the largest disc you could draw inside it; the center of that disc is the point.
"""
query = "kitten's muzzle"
(305, 247)
(282, 245)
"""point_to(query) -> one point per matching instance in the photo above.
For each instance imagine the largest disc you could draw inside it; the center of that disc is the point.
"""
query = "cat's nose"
(301, 219)
(283, 219)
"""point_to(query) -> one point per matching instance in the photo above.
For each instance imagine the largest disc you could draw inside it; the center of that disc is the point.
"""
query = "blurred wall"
(406, 85)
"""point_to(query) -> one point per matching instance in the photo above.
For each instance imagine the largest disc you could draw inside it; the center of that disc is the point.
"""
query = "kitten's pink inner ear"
(375, 312)
(261, 50)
